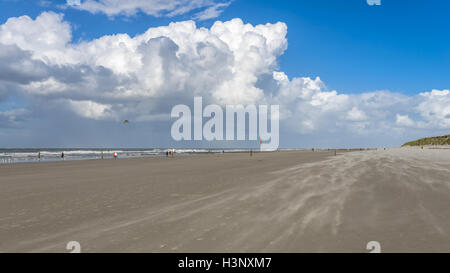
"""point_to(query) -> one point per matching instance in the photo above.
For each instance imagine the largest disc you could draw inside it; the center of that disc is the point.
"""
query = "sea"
(21, 155)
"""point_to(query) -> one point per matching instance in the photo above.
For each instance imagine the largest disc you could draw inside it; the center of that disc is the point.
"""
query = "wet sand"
(298, 201)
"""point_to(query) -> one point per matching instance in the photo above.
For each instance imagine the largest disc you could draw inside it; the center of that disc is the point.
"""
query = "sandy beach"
(298, 201)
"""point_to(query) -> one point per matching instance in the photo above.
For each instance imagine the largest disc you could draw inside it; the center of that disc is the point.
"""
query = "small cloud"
(374, 2)
(211, 12)
(45, 3)
(73, 3)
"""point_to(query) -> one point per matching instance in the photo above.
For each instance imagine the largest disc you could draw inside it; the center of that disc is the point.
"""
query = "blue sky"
(383, 61)
(399, 46)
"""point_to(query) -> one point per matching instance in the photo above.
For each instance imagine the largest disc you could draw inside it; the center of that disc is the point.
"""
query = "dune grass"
(438, 140)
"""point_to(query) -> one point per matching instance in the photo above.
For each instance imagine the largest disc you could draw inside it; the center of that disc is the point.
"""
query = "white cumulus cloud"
(141, 78)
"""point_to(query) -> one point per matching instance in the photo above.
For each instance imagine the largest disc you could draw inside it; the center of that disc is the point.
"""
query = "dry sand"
(271, 202)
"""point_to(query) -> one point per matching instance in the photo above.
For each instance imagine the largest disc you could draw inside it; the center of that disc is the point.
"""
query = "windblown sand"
(272, 202)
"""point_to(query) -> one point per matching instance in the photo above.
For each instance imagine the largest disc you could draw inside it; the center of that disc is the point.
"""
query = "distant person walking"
(62, 155)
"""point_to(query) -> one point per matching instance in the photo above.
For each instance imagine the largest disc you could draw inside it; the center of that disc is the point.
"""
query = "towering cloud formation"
(142, 77)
